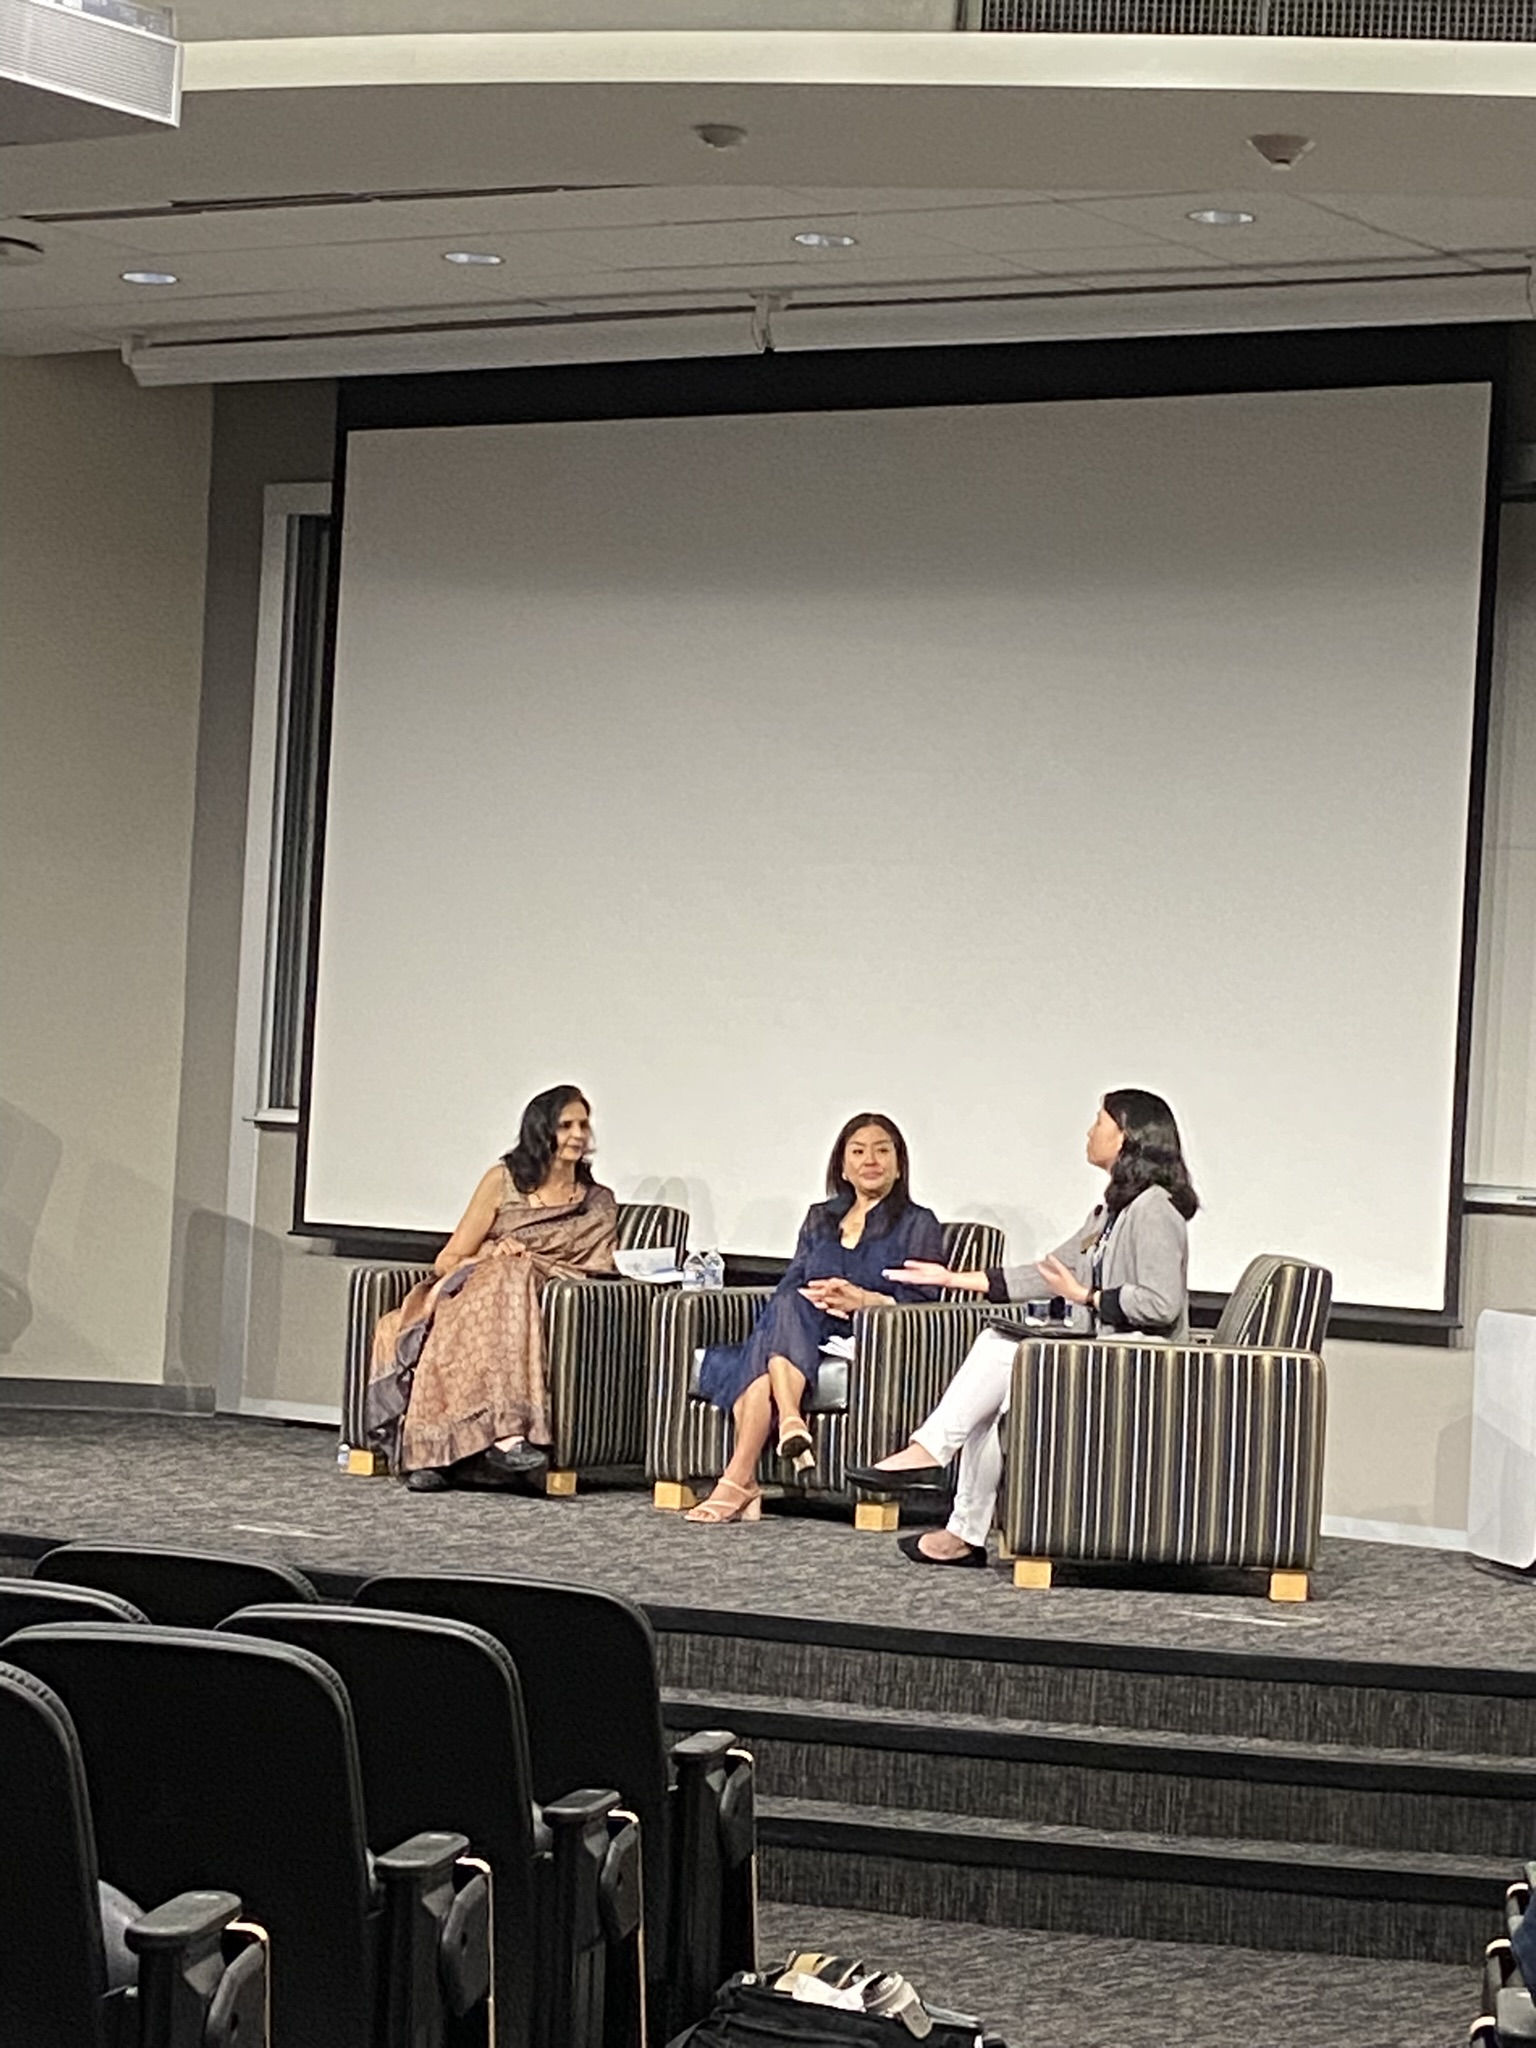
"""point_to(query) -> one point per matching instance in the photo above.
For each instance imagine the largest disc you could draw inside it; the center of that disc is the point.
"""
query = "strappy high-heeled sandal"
(720, 1508)
(795, 1445)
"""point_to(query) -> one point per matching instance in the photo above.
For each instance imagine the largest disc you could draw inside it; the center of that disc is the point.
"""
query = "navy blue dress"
(792, 1327)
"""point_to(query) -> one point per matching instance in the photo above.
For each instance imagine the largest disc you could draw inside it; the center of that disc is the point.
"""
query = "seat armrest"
(594, 1986)
(714, 1884)
(190, 1919)
(419, 1895)
(904, 1355)
(595, 1336)
(199, 1985)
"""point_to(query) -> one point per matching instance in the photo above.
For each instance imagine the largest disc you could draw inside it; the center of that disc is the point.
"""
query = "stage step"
(1166, 1783)
(1466, 1711)
(1253, 1894)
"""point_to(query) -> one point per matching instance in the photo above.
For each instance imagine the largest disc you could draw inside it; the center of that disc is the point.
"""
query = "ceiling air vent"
(1467, 21)
(74, 69)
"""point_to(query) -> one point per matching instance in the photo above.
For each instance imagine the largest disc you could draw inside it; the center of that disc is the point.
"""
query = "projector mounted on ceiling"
(71, 70)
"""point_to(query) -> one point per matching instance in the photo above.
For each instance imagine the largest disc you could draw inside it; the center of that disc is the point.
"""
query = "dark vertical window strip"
(305, 570)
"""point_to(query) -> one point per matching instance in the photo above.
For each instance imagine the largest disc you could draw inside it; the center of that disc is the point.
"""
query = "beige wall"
(103, 521)
(262, 434)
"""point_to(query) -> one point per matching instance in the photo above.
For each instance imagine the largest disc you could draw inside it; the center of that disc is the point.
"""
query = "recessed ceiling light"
(1220, 217)
(813, 238)
(150, 277)
(480, 257)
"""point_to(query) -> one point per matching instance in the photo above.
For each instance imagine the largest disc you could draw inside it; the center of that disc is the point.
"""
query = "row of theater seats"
(1509, 1969)
(449, 1807)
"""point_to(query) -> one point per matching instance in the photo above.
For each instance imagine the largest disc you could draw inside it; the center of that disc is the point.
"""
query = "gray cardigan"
(1145, 1283)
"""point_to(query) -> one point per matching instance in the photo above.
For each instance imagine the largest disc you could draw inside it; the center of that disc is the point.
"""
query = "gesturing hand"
(921, 1273)
(1060, 1281)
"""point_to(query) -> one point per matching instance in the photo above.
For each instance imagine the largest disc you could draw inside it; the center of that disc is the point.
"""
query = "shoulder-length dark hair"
(889, 1211)
(1152, 1155)
(529, 1160)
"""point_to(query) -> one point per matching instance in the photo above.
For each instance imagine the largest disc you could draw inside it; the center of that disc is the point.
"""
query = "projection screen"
(961, 762)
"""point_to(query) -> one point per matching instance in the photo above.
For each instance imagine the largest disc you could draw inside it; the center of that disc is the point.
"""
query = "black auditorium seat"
(24, 1604)
(587, 1662)
(80, 1968)
(180, 1588)
(443, 1742)
(222, 1756)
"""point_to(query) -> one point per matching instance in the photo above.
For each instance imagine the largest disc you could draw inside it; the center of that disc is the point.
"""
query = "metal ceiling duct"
(71, 70)
(1466, 21)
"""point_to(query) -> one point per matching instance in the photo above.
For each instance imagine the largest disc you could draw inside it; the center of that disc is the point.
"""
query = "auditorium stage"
(273, 1490)
(1189, 1800)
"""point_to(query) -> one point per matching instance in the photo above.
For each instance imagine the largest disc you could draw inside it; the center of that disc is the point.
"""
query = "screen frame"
(972, 374)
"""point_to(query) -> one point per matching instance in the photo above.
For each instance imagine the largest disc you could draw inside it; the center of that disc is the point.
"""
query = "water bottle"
(343, 1453)
(714, 1269)
(694, 1272)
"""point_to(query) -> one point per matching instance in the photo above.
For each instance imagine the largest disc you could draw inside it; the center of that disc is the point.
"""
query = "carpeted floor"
(1092, 1991)
(274, 1490)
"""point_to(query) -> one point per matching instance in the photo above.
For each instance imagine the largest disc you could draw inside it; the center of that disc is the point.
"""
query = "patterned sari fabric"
(477, 1338)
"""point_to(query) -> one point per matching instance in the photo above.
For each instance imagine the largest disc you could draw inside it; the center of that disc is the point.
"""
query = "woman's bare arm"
(474, 1225)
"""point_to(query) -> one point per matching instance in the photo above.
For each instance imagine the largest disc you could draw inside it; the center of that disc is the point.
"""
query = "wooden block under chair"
(1032, 1574)
(365, 1464)
(560, 1484)
(673, 1497)
(1288, 1585)
(880, 1516)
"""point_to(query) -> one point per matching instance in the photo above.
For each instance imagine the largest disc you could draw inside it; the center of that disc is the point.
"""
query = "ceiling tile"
(1284, 228)
(386, 220)
(1143, 257)
(903, 199)
(1022, 230)
(1332, 269)
(880, 237)
(1445, 223)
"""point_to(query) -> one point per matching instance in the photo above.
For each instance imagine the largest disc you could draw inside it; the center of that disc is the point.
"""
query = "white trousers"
(966, 1421)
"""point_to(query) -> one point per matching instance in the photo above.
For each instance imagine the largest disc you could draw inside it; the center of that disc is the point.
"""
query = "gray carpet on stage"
(1092, 1991)
(274, 1490)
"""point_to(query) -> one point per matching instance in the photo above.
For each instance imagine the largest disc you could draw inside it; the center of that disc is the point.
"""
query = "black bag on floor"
(751, 2012)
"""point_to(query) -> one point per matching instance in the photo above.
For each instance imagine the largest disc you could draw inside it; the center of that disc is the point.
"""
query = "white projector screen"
(958, 762)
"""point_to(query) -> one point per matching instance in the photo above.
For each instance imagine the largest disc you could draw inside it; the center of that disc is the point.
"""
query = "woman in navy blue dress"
(869, 1222)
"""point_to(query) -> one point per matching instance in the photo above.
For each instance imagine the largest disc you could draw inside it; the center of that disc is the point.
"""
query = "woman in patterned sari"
(479, 1408)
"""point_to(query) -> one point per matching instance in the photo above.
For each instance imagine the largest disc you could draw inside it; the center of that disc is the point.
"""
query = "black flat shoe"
(914, 1479)
(428, 1480)
(973, 1558)
(523, 1461)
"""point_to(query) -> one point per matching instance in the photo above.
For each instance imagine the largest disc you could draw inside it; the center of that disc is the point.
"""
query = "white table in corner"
(1501, 1485)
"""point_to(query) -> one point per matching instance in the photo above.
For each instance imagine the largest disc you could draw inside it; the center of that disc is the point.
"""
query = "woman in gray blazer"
(1124, 1273)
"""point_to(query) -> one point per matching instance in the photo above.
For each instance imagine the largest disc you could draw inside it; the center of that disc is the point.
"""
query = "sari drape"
(477, 1336)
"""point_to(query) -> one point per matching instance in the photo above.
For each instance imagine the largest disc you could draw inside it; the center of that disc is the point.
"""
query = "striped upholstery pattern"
(685, 1436)
(373, 1292)
(1165, 1454)
(595, 1334)
(1280, 1302)
(903, 1359)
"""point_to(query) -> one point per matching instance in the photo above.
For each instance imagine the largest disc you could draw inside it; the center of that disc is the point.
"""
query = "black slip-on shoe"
(914, 1479)
(428, 1480)
(973, 1557)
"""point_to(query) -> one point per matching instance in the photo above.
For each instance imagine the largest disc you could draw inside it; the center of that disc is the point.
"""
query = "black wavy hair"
(887, 1212)
(529, 1160)
(1152, 1155)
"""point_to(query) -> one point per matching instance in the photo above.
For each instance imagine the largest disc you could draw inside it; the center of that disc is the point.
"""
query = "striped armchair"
(1193, 1454)
(903, 1358)
(595, 1335)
